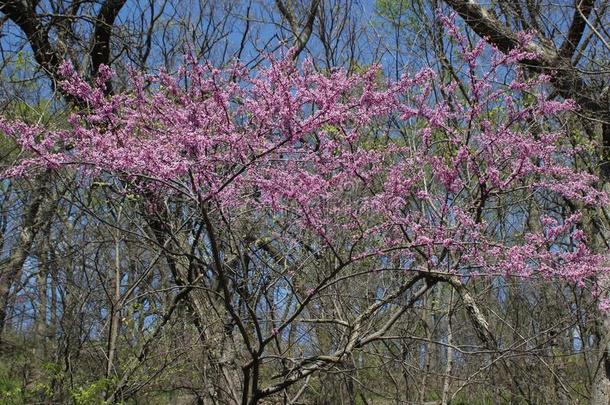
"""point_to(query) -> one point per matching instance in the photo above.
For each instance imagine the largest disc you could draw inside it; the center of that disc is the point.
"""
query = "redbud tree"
(427, 175)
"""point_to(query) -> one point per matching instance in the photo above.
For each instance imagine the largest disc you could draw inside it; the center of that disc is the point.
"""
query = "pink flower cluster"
(360, 163)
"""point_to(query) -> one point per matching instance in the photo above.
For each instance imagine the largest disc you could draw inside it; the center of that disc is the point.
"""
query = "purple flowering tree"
(287, 181)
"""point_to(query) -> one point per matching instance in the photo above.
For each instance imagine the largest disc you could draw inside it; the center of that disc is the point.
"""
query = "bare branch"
(301, 36)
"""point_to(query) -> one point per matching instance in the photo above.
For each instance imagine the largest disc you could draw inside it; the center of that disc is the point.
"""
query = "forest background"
(112, 290)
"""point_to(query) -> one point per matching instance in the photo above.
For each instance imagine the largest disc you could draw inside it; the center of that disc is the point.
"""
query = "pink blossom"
(325, 155)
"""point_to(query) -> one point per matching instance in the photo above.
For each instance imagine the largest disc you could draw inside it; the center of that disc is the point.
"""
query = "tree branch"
(566, 79)
(100, 51)
(582, 10)
(26, 19)
(302, 37)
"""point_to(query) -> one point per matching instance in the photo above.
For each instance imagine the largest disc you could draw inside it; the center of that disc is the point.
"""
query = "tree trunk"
(600, 392)
(38, 213)
(449, 365)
